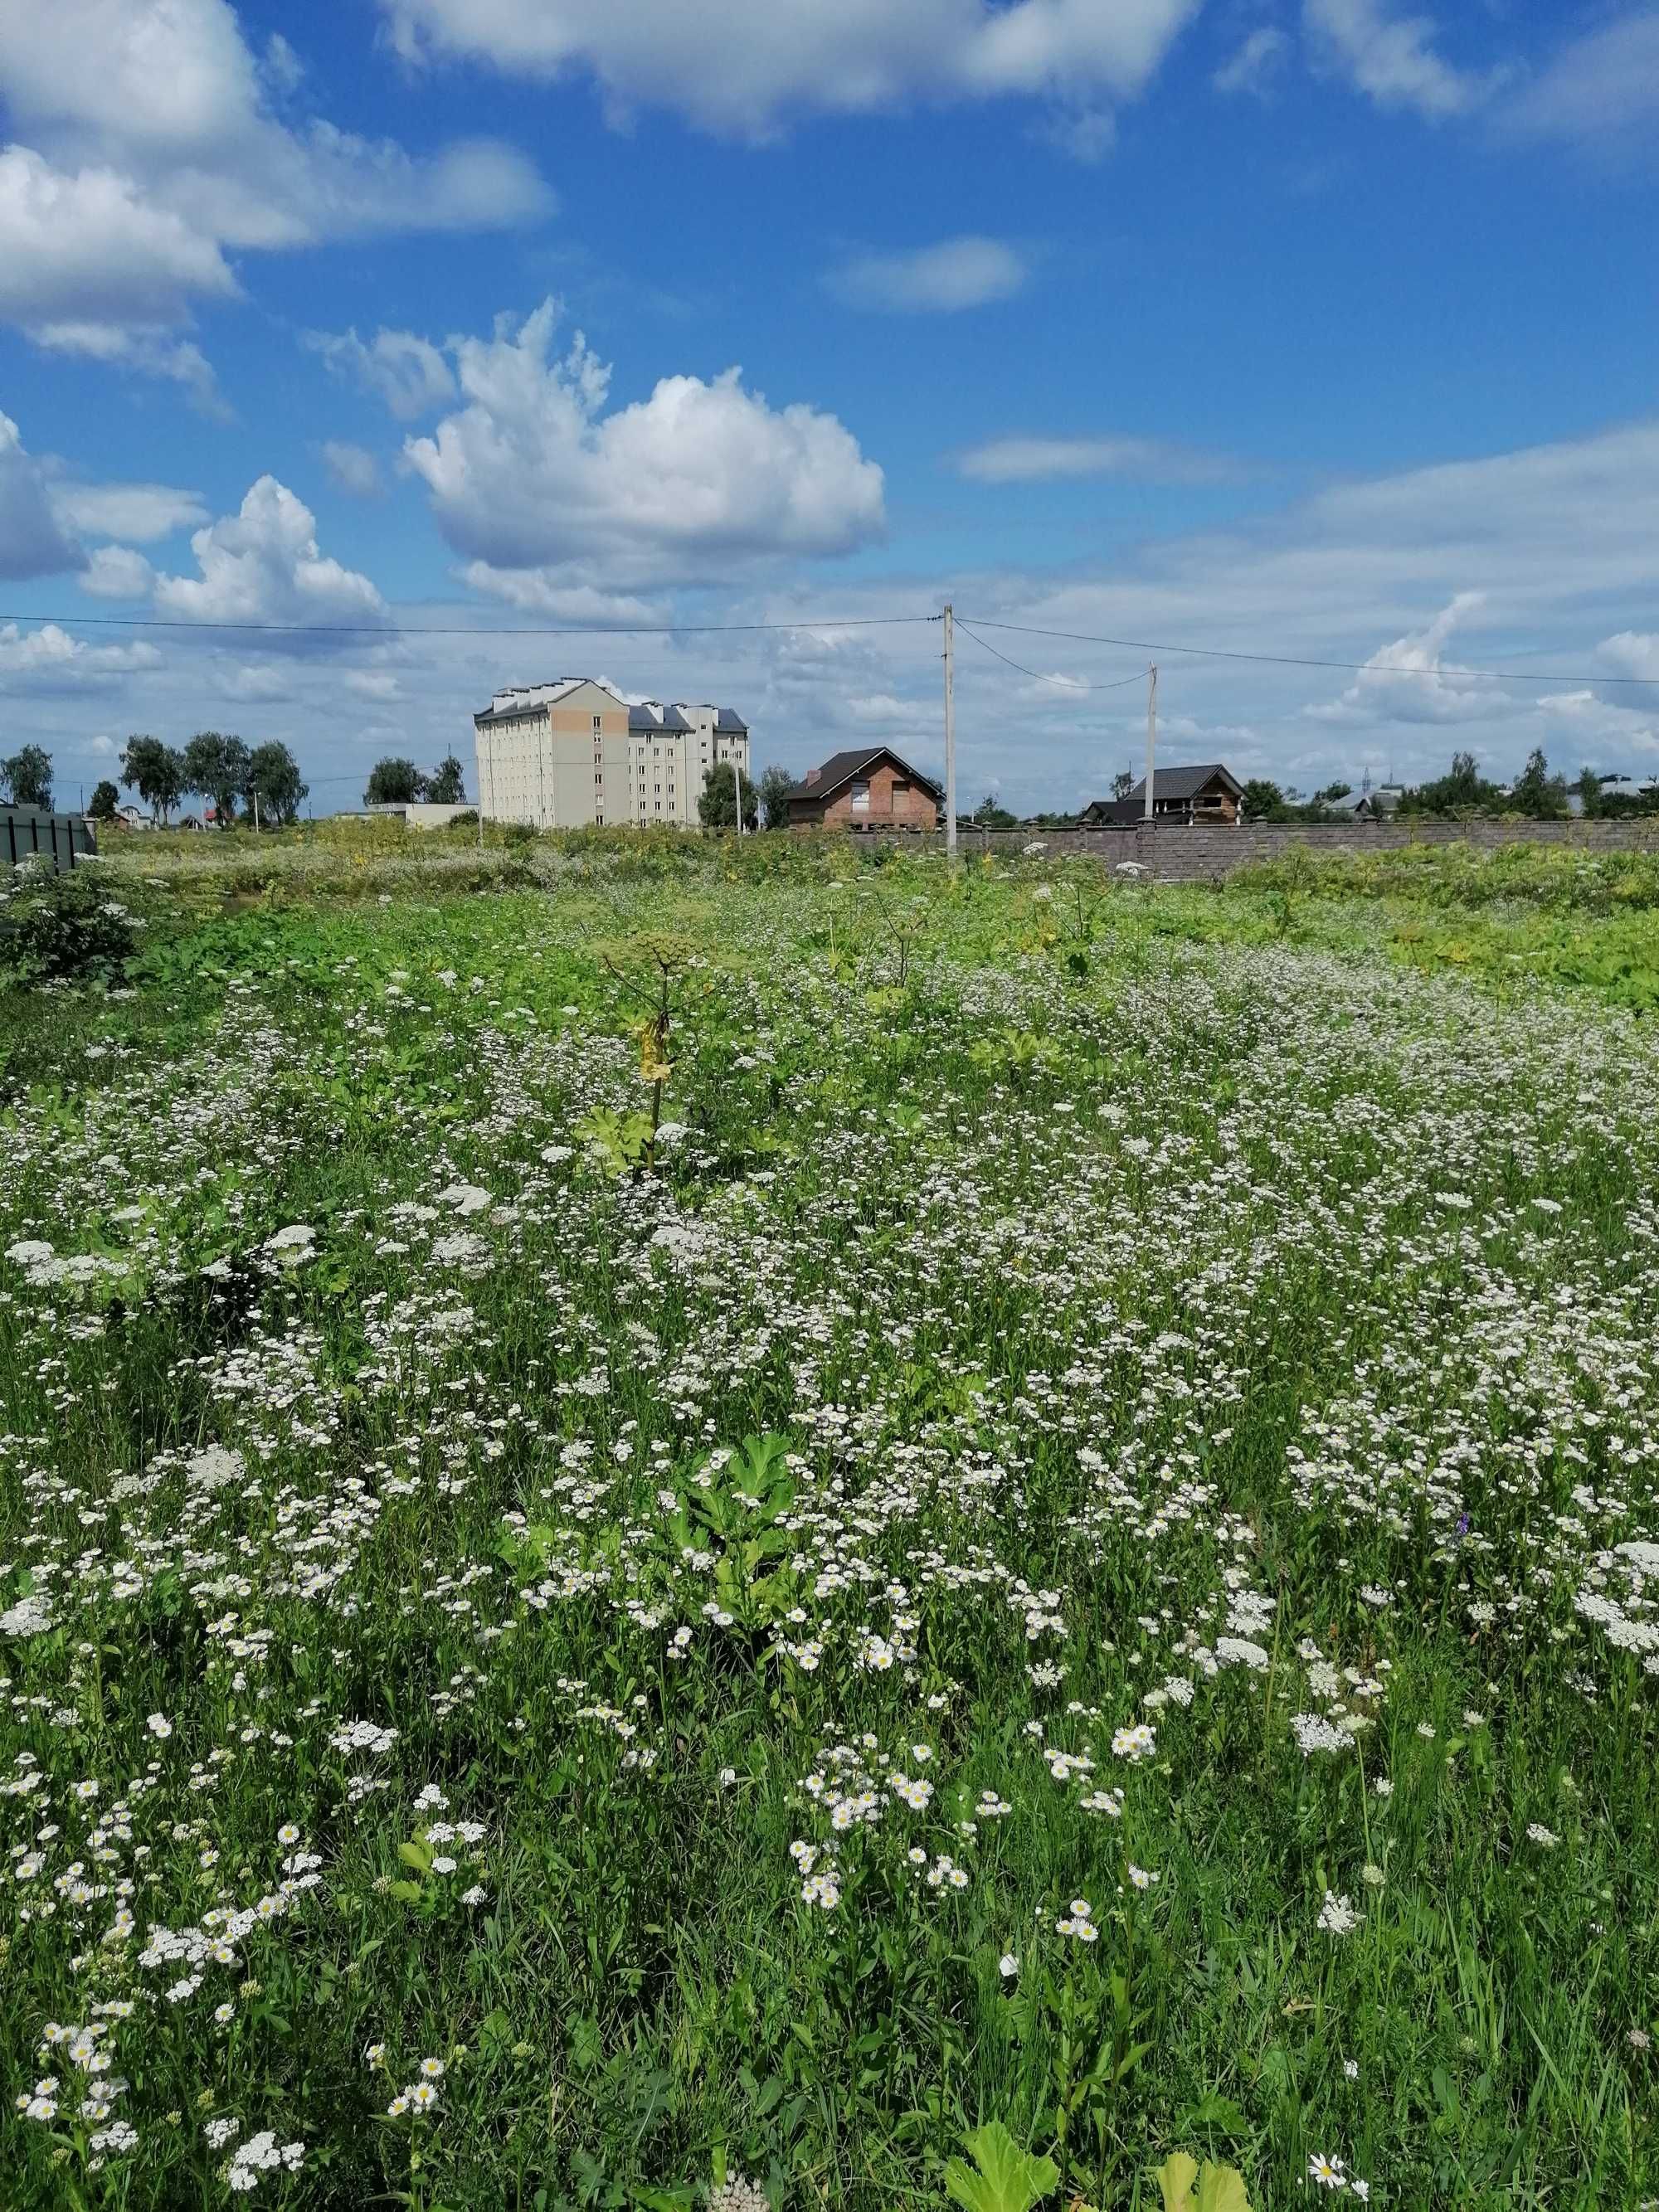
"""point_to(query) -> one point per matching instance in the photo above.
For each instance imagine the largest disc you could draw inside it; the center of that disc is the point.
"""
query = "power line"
(1064, 682)
(373, 630)
(467, 629)
(1294, 661)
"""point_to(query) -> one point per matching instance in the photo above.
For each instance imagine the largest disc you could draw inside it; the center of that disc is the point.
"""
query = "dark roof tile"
(840, 767)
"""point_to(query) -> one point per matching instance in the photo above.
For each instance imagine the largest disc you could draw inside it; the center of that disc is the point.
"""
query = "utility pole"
(1152, 734)
(950, 732)
(736, 781)
(256, 813)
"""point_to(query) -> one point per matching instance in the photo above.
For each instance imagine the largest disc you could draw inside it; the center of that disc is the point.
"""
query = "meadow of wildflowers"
(670, 1534)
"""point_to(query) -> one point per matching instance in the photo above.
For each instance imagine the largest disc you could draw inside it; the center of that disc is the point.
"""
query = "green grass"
(1217, 1313)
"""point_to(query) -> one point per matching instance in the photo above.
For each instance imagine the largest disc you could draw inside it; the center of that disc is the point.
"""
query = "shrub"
(64, 928)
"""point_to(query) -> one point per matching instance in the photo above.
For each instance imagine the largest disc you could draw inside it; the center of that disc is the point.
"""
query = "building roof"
(824, 781)
(515, 701)
(648, 714)
(1179, 783)
(1382, 798)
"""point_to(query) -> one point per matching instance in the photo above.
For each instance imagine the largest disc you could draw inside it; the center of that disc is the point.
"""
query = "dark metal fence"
(30, 829)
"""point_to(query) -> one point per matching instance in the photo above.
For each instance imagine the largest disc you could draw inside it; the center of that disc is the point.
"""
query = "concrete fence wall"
(1204, 852)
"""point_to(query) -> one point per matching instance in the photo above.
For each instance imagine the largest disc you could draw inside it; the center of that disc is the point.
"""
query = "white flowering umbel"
(259, 2155)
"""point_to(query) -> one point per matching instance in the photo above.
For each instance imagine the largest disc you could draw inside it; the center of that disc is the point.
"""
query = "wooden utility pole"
(950, 732)
(1151, 732)
(737, 785)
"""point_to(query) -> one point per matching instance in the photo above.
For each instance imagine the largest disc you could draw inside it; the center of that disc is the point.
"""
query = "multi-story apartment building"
(561, 756)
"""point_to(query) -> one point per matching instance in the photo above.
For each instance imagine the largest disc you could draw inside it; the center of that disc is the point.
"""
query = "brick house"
(869, 788)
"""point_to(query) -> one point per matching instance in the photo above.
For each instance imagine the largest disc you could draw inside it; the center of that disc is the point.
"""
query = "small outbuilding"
(869, 787)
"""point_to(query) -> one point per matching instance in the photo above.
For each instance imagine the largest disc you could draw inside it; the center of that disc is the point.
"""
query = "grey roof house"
(1208, 791)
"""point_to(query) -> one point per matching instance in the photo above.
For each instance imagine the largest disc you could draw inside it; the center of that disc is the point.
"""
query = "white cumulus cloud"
(49, 659)
(33, 541)
(942, 279)
(1600, 92)
(1393, 58)
(88, 245)
(744, 66)
(352, 468)
(410, 374)
(1631, 652)
(533, 473)
(1257, 64)
(262, 565)
(117, 572)
(1040, 460)
(149, 144)
(1407, 681)
(141, 511)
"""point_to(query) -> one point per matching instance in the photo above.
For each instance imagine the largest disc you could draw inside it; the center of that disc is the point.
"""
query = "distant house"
(1379, 805)
(129, 817)
(867, 788)
(1207, 792)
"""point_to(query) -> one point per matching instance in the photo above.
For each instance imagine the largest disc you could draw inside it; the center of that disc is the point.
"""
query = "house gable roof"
(841, 768)
(1179, 783)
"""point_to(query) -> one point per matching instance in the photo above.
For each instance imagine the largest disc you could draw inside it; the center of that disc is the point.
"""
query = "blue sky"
(1316, 327)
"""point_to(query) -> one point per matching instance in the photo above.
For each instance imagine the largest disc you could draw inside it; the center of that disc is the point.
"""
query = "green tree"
(1536, 791)
(157, 771)
(717, 802)
(28, 777)
(1263, 801)
(1462, 790)
(1337, 790)
(446, 784)
(1123, 783)
(1589, 787)
(393, 783)
(989, 815)
(773, 791)
(104, 800)
(273, 775)
(217, 767)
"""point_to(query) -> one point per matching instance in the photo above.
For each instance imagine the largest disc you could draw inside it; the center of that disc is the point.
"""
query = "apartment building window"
(599, 724)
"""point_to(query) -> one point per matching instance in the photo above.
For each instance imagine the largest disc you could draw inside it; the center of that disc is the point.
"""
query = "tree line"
(394, 782)
(265, 779)
(1539, 793)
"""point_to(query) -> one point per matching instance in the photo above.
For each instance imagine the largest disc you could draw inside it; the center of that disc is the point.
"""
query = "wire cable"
(1064, 682)
(1294, 661)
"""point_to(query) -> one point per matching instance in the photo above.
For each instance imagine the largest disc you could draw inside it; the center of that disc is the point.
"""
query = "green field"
(670, 1512)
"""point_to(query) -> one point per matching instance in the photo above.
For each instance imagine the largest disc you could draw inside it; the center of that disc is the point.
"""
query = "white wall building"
(563, 756)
